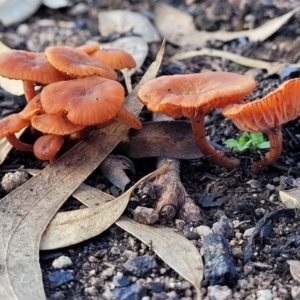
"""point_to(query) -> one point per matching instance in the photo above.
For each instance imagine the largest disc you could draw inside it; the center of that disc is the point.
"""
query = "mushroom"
(11, 125)
(54, 124)
(267, 115)
(116, 58)
(87, 101)
(30, 67)
(77, 63)
(47, 146)
(191, 96)
(32, 108)
(89, 48)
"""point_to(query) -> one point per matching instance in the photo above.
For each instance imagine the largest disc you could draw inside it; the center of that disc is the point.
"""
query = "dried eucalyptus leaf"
(121, 21)
(15, 11)
(113, 169)
(72, 227)
(281, 69)
(55, 4)
(179, 28)
(290, 198)
(174, 249)
(294, 268)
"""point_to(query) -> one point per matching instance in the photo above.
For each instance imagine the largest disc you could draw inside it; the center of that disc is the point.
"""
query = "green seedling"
(252, 141)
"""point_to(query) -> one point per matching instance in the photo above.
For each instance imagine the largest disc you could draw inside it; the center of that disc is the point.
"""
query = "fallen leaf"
(174, 249)
(55, 4)
(290, 198)
(282, 69)
(15, 11)
(294, 268)
(113, 169)
(179, 29)
(121, 21)
(26, 212)
(173, 139)
(137, 47)
(72, 227)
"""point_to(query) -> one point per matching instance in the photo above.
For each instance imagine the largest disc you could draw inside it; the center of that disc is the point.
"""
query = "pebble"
(59, 295)
(264, 294)
(295, 291)
(78, 9)
(237, 252)
(62, 262)
(12, 180)
(130, 254)
(141, 266)
(120, 280)
(248, 232)
(218, 292)
(91, 291)
(133, 292)
(108, 272)
(224, 227)
(202, 230)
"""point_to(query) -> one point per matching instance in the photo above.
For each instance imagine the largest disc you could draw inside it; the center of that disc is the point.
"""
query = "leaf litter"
(19, 238)
(179, 28)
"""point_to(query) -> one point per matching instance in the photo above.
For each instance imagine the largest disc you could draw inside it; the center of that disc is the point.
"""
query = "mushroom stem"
(206, 148)
(16, 143)
(275, 138)
(29, 90)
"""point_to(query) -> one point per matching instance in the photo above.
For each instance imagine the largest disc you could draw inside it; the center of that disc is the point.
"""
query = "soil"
(247, 197)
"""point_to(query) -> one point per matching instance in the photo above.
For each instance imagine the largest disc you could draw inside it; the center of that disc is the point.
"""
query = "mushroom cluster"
(79, 92)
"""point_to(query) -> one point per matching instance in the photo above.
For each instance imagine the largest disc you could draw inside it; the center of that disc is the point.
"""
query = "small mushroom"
(30, 67)
(85, 101)
(47, 146)
(77, 63)
(191, 96)
(54, 124)
(11, 125)
(267, 115)
(32, 108)
(89, 48)
(116, 58)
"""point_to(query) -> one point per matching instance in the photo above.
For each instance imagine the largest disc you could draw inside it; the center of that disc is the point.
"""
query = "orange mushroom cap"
(32, 108)
(12, 124)
(30, 66)
(76, 62)
(54, 124)
(276, 108)
(184, 95)
(85, 101)
(47, 146)
(116, 58)
(89, 48)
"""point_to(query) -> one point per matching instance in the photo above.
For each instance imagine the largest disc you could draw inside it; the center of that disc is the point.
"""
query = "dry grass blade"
(270, 67)
(71, 227)
(174, 249)
(26, 212)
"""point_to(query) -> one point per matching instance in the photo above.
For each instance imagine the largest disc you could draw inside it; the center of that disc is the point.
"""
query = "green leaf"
(257, 138)
(264, 145)
(231, 143)
(244, 147)
(244, 138)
